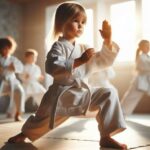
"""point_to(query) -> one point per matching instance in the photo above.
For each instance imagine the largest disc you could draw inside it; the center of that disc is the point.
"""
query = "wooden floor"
(78, 134)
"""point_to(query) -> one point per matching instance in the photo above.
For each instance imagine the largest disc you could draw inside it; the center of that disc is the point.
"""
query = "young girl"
(31, 77)
(9, 66)
(141, 83)
(70, 64)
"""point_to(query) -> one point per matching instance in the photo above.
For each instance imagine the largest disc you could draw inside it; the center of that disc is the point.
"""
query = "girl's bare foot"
(19, 138)
(111, 143)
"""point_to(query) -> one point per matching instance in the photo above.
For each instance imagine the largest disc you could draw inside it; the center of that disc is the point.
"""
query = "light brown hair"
(29, 52)
(139, 49)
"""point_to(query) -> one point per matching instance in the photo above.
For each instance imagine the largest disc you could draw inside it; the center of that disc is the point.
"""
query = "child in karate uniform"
(70, 64)
(9, 66)
(32, 76)
(140, 84)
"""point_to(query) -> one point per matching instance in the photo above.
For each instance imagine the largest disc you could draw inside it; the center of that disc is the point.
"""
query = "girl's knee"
(112, 91)
(111, 94)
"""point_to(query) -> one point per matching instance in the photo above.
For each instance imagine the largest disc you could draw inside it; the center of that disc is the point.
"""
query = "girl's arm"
(108, 53)
(39, 77)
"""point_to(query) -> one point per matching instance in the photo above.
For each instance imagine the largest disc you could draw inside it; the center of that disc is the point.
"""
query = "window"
(49, 16)
(145, 19)
(123, 22)
(131, 23)
(49, 12)
(87, 36)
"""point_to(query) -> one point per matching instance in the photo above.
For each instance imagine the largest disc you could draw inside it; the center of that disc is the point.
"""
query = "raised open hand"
(106, 30)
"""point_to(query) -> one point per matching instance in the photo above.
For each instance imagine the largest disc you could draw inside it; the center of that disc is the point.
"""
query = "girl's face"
(6, 52)
(30, 59)
(74, 27)
(145, 47)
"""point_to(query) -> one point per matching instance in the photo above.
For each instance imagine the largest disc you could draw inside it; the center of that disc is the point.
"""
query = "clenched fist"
(86, 56)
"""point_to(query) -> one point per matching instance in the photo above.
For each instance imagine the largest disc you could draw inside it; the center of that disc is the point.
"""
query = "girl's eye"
(83, 22)
(75, 20)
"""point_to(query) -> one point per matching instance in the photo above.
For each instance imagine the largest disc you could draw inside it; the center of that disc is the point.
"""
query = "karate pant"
(17, 96)
(110, 117)
(17, 100)
(131, 98)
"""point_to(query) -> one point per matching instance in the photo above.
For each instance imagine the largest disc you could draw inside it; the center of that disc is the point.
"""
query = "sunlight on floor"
(140, 118)
(79, 133)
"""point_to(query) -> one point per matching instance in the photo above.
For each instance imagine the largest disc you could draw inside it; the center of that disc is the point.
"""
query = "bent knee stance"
(103, 95)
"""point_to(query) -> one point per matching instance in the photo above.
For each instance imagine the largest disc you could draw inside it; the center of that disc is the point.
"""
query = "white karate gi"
(102, 78)
(31, 84)
(9, 83)
(70, 94)
(139, 86)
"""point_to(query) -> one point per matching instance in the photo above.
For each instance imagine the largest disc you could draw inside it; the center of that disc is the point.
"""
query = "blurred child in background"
(32, 76)
(141, 83)
(9, 66)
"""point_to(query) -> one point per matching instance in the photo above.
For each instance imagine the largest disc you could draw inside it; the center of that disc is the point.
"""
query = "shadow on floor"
(141, 129)
(23, 146)
(77, 126)
(57, 137)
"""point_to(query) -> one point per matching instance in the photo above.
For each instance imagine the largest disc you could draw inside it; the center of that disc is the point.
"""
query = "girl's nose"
(80, 25)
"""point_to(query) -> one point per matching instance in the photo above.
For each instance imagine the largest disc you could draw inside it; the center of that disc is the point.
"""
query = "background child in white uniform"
(32, 76)
(141, 83)
(70, 64)
(9, 66)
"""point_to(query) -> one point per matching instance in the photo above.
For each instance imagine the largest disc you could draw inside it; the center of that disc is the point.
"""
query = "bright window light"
(146, 19)
(123, 22)
(87, 36)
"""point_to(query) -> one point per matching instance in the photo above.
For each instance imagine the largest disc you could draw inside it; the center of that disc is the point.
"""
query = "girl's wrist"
(77, 62)
(108, 43)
